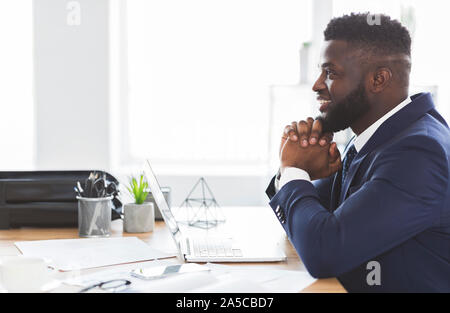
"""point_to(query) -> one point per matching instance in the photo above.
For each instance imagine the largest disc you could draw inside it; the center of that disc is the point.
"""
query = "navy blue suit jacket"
(393, 208)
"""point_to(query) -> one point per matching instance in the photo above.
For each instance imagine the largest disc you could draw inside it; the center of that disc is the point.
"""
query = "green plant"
(138, 190)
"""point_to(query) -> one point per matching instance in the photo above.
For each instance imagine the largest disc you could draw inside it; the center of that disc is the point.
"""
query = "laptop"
(207, 247)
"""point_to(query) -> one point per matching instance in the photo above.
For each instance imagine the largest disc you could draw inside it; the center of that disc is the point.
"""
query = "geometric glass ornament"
(201, 207)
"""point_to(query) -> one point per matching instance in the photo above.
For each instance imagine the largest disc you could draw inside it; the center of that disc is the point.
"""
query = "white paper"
(176, 283)
(179, 283)
(231, 285)
(122, 271)
(291, 281)
(77, 254)
(274, 280)
(198, 282)
(221, 278)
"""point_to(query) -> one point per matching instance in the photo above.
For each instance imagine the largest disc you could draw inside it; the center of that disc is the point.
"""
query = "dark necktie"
(351, 153)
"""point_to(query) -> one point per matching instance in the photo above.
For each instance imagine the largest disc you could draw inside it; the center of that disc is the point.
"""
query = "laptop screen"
(161, 202)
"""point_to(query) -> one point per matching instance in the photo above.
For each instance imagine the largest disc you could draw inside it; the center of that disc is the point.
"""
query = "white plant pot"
(138, 218)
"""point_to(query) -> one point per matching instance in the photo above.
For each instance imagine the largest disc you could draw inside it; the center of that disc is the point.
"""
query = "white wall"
(16, 93)
(71, 84)
(227, 190)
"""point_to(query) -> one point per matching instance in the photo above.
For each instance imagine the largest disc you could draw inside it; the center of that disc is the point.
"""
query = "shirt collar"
(364, 137)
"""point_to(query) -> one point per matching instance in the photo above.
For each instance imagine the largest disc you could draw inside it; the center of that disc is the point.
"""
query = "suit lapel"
(351, 174)
(336, 191)
(420, 105)
(337, 183)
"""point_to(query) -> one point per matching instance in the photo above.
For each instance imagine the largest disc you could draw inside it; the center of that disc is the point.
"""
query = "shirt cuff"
(289, 174)
(277, 181)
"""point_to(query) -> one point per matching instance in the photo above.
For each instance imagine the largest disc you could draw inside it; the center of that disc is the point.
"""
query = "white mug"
(24, 274)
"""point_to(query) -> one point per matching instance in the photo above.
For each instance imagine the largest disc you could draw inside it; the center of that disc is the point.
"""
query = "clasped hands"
(304, 146)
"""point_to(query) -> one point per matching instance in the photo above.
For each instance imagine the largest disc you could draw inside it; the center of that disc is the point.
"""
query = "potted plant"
(139, 217)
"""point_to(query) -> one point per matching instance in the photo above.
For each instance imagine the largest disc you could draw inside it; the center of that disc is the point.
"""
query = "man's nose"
(319, 84)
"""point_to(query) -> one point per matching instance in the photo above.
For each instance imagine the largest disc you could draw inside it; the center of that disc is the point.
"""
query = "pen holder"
(94, 217)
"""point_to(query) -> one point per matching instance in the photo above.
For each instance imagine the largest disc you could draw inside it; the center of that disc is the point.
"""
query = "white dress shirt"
(292, 173)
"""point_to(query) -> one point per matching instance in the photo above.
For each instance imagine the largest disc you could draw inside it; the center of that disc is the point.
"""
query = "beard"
(344, 113)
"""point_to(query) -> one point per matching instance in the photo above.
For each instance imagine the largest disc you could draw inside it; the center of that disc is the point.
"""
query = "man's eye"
(330, 73)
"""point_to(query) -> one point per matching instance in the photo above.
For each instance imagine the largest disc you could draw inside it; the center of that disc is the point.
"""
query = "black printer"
(44, 198)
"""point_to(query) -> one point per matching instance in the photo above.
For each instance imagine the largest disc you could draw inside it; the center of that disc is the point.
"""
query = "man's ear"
(380, 79)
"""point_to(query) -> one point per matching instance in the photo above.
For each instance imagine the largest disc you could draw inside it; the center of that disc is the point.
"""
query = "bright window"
(199, 76)
(16, 69)
(201, 73)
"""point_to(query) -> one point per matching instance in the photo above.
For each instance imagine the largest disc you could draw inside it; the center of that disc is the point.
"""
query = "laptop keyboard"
(215, 247)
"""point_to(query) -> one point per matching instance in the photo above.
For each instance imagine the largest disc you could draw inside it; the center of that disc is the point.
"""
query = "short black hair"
(386, 36)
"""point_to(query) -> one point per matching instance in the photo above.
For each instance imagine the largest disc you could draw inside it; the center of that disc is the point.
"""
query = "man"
(380, 220)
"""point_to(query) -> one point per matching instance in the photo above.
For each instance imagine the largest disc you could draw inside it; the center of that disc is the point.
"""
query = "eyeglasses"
(114, 285)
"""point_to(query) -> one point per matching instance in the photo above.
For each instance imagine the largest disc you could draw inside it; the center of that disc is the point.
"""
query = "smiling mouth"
(324, 104)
